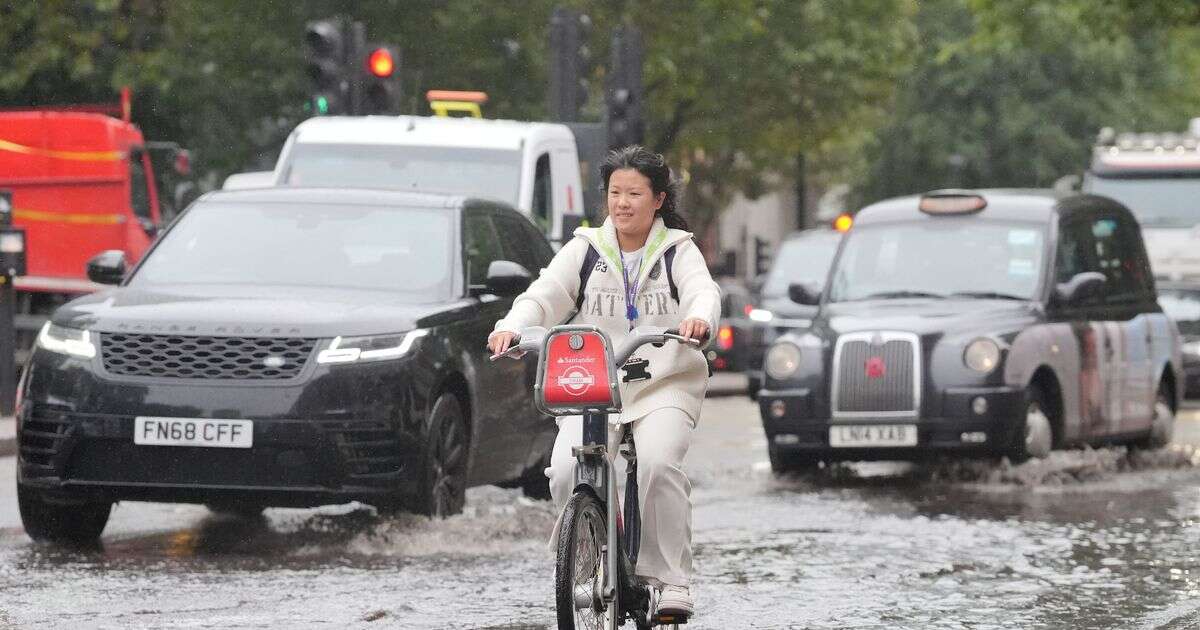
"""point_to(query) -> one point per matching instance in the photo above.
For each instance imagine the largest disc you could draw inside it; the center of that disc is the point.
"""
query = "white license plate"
(873, 435)
(193, 432)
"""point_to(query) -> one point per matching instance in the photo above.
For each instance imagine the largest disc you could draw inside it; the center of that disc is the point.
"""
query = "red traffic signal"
(381, 63)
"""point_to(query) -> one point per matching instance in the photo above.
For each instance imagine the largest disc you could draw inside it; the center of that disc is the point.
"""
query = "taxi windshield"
(471, 172)
(950, 257)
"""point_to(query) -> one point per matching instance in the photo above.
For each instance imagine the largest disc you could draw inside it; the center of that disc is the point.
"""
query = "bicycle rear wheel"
(580, 567)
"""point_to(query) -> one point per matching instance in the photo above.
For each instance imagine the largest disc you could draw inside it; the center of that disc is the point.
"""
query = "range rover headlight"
(982, 355)
(69, 341)
(782, 361)
(370, 347)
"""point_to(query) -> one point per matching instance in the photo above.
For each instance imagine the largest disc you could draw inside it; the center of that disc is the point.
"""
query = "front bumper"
(793, 425)
(338, 433)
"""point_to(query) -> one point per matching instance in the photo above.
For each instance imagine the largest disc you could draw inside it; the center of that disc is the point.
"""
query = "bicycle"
(577, 375)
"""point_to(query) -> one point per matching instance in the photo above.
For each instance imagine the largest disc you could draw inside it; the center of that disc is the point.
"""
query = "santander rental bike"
(594, 584)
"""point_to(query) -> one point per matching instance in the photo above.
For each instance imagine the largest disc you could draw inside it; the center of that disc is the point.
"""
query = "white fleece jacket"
(678, 373)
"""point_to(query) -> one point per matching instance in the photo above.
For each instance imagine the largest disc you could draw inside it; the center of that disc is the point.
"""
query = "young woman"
(647, 271)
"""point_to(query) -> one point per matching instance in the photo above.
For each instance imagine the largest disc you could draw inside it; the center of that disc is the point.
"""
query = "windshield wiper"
(889, 295)
(989, 295)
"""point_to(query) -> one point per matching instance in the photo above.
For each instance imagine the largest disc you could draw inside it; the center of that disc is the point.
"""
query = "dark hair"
(654, 167)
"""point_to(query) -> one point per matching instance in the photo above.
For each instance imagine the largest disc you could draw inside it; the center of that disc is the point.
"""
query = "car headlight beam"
(370, 347)
(782, 361)
(69, 341)
(982, 355)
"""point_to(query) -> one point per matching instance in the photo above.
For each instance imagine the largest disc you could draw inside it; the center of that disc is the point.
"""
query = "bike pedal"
(668, 618)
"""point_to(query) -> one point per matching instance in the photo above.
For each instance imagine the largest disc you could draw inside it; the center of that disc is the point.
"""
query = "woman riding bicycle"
(640, 267)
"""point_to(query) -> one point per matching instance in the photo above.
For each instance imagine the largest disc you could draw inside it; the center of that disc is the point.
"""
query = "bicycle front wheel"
(579, 572)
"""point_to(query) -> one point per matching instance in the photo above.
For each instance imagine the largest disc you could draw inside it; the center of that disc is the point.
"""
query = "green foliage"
(741, 93)
(1010, 93)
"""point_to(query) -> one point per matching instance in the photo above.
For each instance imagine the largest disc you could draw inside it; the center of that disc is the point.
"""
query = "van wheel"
(1162, 428)
(71, 524)
(1035, 439)
(444, 476)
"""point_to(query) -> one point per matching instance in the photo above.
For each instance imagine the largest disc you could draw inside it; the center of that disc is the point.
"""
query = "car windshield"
(948, 257)
(1183, 306)
(1159, 201)
(801, 259)
(402, 249)
(486, 173)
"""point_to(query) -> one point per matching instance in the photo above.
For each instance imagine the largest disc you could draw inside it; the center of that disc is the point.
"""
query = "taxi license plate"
(153, 431)
(873, 435)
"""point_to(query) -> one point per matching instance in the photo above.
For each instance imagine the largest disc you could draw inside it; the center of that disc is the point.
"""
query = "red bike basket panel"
(577, 377)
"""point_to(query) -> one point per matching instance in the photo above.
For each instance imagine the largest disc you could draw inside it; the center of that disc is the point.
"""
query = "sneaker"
(676, 600)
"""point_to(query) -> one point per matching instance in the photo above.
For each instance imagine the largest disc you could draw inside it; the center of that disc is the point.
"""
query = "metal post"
(8, 333)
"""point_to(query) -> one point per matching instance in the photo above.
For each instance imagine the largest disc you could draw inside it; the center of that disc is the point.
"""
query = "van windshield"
(486, 173)
(1166, 202)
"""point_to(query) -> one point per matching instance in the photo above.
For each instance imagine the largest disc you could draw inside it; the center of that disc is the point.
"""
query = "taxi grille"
(889, 388)
(205, 357)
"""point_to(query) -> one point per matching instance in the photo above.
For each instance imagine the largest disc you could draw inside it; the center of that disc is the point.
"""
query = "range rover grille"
(205, 357)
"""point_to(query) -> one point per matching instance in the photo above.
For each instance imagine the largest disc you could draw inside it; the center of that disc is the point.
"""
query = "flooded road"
(1097, 539)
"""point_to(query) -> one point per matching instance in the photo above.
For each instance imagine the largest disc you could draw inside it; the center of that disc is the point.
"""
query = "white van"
(532, 166)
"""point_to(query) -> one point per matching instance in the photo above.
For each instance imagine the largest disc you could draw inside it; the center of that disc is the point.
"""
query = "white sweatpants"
(662, 439)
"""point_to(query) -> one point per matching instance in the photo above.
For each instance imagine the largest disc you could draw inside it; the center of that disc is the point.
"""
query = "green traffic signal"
(322, 105)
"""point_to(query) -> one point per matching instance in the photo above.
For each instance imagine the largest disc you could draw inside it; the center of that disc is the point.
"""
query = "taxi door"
(1095, 326)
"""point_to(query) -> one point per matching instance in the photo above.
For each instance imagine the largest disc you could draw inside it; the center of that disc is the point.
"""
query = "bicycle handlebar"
(531, 341)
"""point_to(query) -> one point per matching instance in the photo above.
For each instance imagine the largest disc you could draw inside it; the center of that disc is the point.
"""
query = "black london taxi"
(287, 347)
(978, 323)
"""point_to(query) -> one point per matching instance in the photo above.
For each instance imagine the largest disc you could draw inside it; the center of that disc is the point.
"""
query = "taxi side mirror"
(804, 293)
(1080, 287)
(507, 278)
(107, 267)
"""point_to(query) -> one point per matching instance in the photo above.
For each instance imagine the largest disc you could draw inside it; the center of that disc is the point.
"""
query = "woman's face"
(632, 202)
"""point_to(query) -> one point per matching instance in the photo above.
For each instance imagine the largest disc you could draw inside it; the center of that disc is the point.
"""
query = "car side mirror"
(804, 293)
(107, 267)
(148, 227)
(1079, 287)
(507, 278)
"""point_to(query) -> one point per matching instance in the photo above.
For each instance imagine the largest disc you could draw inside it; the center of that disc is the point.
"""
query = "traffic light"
(327, 47)
(380, 82)
(762, 258)
(626, 122)
(569, 60)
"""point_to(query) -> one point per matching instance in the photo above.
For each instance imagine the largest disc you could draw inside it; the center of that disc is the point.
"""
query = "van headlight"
(69, 341)
(370, 347)
(782, 361)
(982, 355)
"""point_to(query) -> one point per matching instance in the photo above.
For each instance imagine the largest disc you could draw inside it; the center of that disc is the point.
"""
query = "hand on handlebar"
(694, 328)
(500, 342)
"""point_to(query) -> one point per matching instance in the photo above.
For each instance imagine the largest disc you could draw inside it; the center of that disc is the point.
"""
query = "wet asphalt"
(1085, 539)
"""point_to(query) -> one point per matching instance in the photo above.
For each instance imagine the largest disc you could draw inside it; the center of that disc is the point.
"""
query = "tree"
(1011, 93)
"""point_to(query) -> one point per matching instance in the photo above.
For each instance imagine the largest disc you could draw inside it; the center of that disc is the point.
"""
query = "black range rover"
(287, 347)
(978, 323)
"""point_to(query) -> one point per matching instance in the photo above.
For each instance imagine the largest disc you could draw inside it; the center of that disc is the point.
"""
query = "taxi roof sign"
(442, 102)
(941, 202)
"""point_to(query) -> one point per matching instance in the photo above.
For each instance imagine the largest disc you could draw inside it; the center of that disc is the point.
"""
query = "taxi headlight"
(69, 341)
(1192, 348)
(782, 361)
(370, 347)
(982, 355)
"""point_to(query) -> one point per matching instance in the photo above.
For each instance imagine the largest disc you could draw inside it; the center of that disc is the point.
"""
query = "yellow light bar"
(442, 102)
